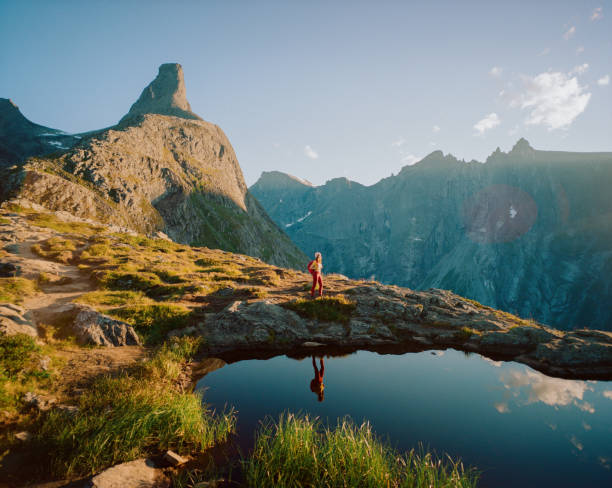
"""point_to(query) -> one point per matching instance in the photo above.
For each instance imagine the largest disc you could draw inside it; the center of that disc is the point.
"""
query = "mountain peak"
(437, 158)
(165, 95)
(522, 148)
(8, 104)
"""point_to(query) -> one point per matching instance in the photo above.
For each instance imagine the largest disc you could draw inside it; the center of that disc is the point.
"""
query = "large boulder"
(258, 324)
(92, 327)
(141, 473)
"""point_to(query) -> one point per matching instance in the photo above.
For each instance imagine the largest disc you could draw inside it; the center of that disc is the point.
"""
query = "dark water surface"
(520, 427)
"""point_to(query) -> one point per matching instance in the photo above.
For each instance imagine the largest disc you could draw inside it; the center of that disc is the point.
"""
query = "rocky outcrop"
(388, 318)
(161, 169)
(94, 328)
(16, 320)
(165, 95)
(529, 232)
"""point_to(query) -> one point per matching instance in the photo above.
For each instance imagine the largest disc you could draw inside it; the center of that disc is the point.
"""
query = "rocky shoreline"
(393, 320)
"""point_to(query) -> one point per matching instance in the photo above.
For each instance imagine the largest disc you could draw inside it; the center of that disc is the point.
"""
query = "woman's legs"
(314, 283)
(316, 279)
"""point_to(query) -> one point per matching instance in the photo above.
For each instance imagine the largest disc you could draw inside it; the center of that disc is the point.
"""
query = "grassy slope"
(157, 286)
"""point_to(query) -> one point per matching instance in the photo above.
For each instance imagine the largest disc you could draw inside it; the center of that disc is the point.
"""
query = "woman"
(315, 267)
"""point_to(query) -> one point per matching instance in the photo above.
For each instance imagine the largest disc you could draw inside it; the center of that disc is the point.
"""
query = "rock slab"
(141, 473)
(92, 327)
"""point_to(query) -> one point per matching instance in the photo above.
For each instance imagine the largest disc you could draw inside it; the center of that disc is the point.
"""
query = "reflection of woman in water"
(316, 385)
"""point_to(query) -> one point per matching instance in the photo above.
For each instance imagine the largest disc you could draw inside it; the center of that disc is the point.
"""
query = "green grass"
(19, 369)
(15, 290)
(466, 332)
(117, 298)
(52, 222)
(132, 416)
(57, 249)
(124, 280)
(15, 353)
(327, 309)
(153, 321)
(297, 451)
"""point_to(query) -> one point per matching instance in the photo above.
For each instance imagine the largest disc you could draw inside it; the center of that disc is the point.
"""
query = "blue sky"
(322, 89)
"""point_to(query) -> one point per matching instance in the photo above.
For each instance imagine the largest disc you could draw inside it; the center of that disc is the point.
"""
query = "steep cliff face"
(529, 232)
(161, 168)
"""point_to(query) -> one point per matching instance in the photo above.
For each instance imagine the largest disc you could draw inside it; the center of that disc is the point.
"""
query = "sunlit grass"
(297, 451)
(336, 308)
(15, 290)
(126, 417)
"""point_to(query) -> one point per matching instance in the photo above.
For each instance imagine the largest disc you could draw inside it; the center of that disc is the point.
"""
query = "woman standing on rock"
(315, 267)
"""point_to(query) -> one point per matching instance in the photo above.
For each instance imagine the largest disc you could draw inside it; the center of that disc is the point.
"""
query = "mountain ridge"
(527, 232)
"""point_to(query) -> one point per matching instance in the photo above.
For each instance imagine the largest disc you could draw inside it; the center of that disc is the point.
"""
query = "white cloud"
(544, 51)
(410, 159)
(311, 153)
(597, 14)
(435, 128)
(555, 99)
(495, 72)
(579, 70)
(579, 49)
(400, 142)
(608, 394)
(604, 80)
(487, 123)
(569, 33)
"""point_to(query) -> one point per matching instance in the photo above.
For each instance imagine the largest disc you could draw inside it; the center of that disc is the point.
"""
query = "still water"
(519, 427)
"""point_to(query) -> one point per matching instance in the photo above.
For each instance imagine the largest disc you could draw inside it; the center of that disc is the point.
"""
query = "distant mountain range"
(161, 168)
(529, 231)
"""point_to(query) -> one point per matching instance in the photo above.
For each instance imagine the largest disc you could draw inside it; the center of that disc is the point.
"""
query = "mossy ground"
(15, 290)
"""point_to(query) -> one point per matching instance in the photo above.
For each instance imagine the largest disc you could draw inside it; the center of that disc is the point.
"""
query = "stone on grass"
(141, 473)
(23, 436)
(92, 327)
(174, 459)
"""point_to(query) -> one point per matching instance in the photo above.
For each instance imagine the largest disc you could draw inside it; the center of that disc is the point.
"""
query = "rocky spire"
(165, 95)
(522, 148)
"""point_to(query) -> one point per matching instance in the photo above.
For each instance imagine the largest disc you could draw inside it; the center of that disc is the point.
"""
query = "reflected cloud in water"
(550, 391)
(502, 407)
(577, 444)
(608, 394)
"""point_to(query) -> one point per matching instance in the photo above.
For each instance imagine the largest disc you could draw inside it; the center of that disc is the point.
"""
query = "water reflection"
(550, 391)
(316, 384)
(494, 415)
